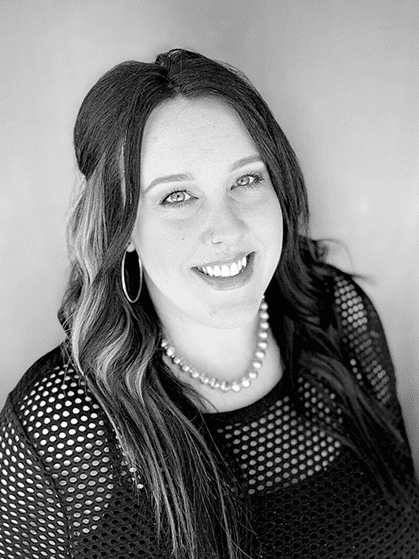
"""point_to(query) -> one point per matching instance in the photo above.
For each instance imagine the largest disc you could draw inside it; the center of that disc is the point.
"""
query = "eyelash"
(176, 204)
(257, 180)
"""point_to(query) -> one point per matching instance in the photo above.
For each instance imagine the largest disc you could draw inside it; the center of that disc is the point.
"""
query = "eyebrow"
(167, 178)
(183, 177)
(245, 161)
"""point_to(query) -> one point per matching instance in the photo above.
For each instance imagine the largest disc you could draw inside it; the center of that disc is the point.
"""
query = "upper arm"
(32, 517)
(364, 343)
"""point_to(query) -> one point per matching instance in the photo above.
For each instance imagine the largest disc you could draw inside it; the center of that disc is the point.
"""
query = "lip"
(227, 261)
(234, 282)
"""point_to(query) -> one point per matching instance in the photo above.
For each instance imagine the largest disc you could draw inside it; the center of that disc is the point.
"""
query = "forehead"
(183, 135)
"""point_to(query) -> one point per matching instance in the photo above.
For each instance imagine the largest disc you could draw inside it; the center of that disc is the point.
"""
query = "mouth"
(227, 275)
(226, 270)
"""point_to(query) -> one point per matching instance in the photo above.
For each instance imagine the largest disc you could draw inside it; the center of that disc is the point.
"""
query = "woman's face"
(209, 224)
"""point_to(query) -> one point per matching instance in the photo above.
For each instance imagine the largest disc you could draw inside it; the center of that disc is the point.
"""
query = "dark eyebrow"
(183, 177)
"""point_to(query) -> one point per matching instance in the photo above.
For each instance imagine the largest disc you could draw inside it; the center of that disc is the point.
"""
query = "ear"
(131, 247)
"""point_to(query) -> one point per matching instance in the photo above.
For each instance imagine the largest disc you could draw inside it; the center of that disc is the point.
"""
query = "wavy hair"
(115, 345)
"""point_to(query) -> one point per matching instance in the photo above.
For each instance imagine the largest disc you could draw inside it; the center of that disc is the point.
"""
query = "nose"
(225, 226)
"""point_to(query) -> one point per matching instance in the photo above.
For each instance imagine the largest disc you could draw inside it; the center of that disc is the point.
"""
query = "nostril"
(227, 231)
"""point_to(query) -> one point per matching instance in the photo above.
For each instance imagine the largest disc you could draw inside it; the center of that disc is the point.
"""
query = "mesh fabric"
(65, 491)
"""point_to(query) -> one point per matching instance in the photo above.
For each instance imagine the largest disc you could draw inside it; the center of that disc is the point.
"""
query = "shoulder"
(362, 338)
(58, 439)
(50, 389)
(350, 299)
(354, 309)
(60, 420)
(358, 318)
(45, 370)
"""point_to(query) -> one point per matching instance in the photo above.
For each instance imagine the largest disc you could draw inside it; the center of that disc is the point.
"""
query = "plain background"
(341, 77)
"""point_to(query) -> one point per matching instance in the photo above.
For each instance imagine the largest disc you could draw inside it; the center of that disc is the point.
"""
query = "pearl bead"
(214, 383)
(243, 382)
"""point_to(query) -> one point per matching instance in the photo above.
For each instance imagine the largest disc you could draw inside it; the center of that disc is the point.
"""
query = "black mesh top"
(66, 491)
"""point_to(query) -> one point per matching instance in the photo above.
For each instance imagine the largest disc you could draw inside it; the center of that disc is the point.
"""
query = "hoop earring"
(126, 279)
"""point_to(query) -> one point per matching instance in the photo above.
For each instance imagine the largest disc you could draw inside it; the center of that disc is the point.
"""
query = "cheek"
(271, 224)
(278, 226)
(161, 248)
(273, 234)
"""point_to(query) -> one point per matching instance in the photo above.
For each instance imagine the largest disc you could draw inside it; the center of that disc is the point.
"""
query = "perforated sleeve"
(364, 342)
(66, 490)
(32, 517)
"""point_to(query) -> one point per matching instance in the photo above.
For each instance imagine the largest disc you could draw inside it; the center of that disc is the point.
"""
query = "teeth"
(225, 271)
(234, 270)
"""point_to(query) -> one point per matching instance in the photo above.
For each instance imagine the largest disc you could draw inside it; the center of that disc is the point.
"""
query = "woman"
(222, 390)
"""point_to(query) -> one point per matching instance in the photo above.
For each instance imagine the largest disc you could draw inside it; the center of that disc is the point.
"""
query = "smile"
(225, 270)
(223, 276)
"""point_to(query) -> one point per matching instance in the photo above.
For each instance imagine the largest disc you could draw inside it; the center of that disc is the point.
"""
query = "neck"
(220, 352)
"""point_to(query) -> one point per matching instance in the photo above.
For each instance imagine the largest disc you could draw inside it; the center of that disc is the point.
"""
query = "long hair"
(115, 345)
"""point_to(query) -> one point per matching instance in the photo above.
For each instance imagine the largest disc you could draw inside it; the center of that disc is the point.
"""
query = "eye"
(176, 198)
(249, 180)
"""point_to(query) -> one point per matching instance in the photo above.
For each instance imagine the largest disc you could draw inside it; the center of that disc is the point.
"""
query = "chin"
(233, 311)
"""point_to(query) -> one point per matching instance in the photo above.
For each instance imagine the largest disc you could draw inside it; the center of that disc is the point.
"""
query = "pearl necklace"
(243, 382)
